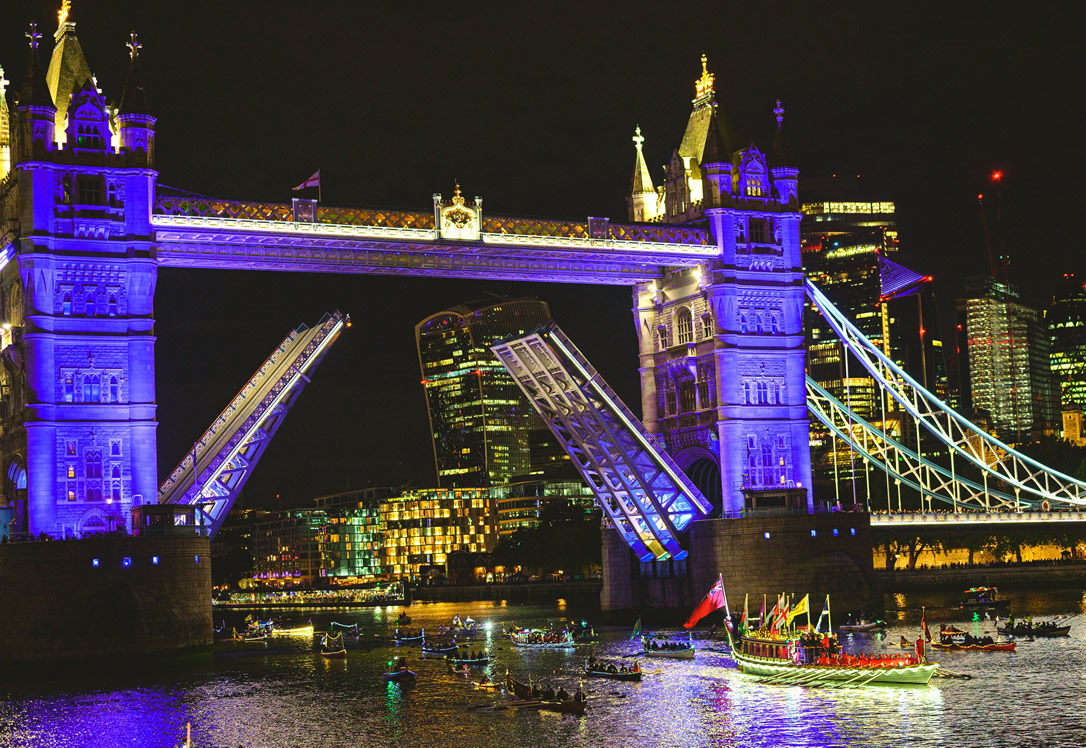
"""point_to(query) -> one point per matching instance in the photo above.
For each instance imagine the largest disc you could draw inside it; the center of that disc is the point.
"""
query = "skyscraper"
(1007, 352)
(479, 419)
(1066, 320)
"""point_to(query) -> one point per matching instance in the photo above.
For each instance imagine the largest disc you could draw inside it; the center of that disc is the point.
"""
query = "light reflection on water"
(298, 698)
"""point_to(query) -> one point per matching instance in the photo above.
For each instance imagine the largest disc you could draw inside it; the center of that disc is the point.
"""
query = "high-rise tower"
(479, 419)
(1066, 320)
(77, 283)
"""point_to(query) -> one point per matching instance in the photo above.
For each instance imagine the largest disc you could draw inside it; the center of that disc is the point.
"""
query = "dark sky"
(532, 106)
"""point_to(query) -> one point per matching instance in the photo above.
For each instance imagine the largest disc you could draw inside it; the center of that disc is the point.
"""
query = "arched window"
(66, 304)
(115, 449)
(663, 337)
(746, 392)
(69, 388)
(94, 465)
(707, 325)
(116, 491)
(84, 393)
(90, 304)
(685, 325)
(71, 471)
(115, 473)
(95, 394)
(113, 305)
(775, 323)
(742, 323)
(114, 390)
(776, 394)
(688, 402)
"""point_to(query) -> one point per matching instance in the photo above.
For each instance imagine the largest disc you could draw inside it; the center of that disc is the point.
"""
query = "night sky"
(532, 107)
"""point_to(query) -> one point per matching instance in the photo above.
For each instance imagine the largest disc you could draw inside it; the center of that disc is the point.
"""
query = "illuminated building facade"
(288, 549)
(1066, 321)
(721, 344)
(353, 543)
(479, 419)
(423, 527)
(77, 284)
(520, 504)
(1009, 367)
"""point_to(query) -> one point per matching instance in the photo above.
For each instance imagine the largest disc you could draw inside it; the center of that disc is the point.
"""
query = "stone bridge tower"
(721, 346)
(77, 282)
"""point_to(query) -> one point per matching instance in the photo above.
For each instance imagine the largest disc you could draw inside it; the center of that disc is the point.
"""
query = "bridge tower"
(721, 345)
(77, 282)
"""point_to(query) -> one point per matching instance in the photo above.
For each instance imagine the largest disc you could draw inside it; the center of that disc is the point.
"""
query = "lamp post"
(109, 513)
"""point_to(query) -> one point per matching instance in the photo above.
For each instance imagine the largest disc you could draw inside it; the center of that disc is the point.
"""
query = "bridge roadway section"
(204, 233)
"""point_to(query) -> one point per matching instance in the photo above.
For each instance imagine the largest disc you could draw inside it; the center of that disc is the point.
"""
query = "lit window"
(814, 533)
(95, 563)
(767, 536)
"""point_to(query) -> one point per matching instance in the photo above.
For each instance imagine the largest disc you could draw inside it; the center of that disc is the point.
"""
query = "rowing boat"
(862, 627)
(588, 673)
(528, 700)
(682, 652)
(468, 660)
(787, 672)
(400, 676)
(955, 646)
(1036, 632)
(440, 651)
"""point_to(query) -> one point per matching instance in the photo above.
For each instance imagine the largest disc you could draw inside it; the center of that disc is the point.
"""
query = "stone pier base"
(815, 554)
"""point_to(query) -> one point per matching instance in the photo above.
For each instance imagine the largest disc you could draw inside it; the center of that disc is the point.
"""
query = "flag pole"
(829, 615)
(319, 200)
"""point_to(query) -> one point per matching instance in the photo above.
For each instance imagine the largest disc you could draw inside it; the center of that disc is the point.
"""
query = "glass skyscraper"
(479, 419)
(1066, 320)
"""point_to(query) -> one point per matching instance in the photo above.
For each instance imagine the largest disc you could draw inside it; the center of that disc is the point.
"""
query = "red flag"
(313, 181)
(713, 601)
(924, 624)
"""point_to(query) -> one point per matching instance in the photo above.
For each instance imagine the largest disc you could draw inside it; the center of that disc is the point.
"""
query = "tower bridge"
(712, 257)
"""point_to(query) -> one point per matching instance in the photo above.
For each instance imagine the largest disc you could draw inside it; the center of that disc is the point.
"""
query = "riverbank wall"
(526, 592)
(1039, 575)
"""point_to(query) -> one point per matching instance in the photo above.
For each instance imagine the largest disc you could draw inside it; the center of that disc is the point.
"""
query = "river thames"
(291, 696)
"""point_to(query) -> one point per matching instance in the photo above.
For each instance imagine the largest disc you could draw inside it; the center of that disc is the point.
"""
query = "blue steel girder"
(232, 446)
(901, 463)
(643, 492)
(1024, 474)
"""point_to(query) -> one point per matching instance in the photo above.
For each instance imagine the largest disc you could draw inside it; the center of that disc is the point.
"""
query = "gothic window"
(775, 323)
(115, 449)
(756, 323)
(707, 325)
(92, 388)
(115, 472)
(114, 390)
(687, 397)
(66, 304)
(663, 336)
(71, 492)
(90, 303)
(69, 388)
(71, 471)
(780, 443)
(776, 394)
(113, 305)
(746, 392)
(117, 491)
(93, 475)
(70, 449)
(90, 189)
(758, 233)
(763, 393)
(742, 323)
(706, 394)
(685, 325)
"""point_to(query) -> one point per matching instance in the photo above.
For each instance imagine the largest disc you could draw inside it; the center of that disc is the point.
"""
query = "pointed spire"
(134, 99)
(641, 182)
(778, 154)
(716, 149)
(35, 91)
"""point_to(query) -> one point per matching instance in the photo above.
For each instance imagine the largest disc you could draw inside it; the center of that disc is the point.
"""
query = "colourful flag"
(712, 601)
(761, 616)
(313, 181)
(825, 614)
(800, 609)
(924, 624)
(743, 620)
(637, 629)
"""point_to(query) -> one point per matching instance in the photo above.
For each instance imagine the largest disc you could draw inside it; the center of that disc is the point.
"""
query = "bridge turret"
(782, 168)
(643, 201)
(136, 123)
(34, 111)
(68, 70)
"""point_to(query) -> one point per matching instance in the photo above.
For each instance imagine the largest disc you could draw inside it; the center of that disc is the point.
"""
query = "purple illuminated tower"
(721, 345)
(77, 283)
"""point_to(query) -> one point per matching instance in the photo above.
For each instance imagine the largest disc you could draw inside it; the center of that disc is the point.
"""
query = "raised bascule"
(715, 475)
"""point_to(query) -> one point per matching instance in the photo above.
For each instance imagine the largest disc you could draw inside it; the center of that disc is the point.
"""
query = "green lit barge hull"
(791, 674)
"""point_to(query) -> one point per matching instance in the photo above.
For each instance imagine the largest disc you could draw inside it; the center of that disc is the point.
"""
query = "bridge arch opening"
(704, 472)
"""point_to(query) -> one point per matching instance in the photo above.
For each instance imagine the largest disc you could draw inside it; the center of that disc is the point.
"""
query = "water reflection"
(290, 696)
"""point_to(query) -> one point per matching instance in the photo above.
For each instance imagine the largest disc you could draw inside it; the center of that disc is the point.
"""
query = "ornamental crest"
(456, 219)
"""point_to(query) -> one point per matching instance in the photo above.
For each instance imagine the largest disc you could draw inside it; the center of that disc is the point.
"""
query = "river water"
(293, 697)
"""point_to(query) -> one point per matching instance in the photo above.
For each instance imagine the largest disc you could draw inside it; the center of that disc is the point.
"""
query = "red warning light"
(997, 175)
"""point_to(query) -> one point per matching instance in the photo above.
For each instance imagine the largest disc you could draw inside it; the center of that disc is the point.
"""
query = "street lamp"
(109, 512)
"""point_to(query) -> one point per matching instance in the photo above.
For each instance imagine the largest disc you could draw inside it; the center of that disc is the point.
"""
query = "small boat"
(628, 675)
(983, 598)
(332, 647)
(530, 699)
(409, 639)
(350, 629)
(542, 639)
(1036, 631)
(475, 662)
(957, 646)
(438, 651)
(400, 676)
(683, 651)
(862, 627)
(403, 619)
(488, 686)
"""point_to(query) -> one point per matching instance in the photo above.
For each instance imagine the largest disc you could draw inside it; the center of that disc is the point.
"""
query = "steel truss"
(993, 457)
(902, 464)
(643, 492)
(231, 448)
